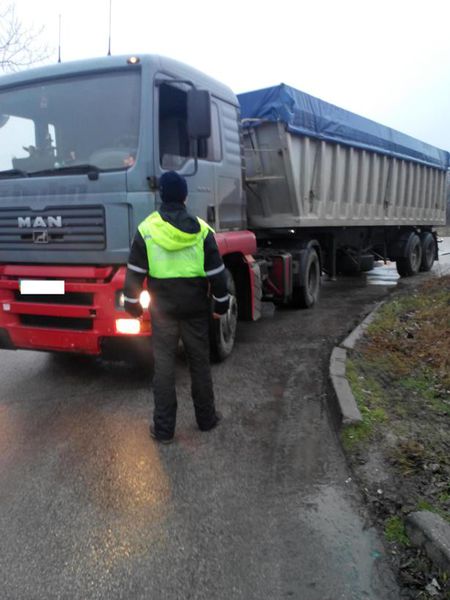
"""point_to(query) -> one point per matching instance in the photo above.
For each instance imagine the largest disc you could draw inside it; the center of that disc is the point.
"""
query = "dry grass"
(412, 334)
(400, 376)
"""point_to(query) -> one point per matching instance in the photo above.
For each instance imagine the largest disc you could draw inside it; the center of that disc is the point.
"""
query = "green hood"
(168, 236)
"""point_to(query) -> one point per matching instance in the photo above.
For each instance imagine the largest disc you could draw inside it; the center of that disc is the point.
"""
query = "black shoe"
(159, 439)
(216, 422)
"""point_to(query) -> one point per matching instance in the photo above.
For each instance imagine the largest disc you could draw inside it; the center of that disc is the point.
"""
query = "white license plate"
(36, 286)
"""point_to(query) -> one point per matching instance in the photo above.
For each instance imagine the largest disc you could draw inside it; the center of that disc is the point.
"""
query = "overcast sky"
(388, 60)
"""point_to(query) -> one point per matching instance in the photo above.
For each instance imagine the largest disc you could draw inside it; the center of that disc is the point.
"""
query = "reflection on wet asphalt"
(386, 274)
(91, 508)
(383, 274)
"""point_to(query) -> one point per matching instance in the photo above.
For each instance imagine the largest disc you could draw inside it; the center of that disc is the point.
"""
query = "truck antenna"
(59, 38)
(109, 34)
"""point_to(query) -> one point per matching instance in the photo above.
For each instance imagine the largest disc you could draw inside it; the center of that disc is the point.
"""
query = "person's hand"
(217, 316)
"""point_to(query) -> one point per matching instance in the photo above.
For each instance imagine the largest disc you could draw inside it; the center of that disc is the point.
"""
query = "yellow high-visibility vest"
(173, 253)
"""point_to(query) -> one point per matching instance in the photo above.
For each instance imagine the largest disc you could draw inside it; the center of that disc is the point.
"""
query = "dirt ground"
(400, 376)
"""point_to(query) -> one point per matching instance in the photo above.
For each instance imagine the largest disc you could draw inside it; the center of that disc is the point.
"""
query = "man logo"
(41, 222)
(40, 237)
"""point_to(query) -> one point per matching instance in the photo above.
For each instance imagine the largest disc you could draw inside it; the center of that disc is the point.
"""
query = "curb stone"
(350, 341)
(348, 409)
(430, 532)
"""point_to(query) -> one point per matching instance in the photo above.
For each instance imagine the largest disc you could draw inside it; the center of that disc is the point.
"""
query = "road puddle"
(383, 274)
(386, 274)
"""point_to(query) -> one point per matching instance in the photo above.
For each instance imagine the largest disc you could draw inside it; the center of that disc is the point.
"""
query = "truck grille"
(86, 292)
(71, 323)
(83, 228)
(69, 298)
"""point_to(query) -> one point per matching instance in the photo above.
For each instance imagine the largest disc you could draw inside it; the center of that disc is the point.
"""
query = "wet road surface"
(260, 508)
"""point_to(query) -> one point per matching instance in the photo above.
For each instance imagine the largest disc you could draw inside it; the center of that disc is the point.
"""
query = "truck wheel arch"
(240, 268)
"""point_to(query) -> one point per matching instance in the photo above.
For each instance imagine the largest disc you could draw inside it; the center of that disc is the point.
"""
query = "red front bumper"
(80, 321)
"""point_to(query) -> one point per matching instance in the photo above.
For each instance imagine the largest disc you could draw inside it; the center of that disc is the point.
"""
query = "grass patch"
(399, 374)
(410, 335)
(395, 531)
(426, 386)
(425, 505)
(402, 367)
(369, 397)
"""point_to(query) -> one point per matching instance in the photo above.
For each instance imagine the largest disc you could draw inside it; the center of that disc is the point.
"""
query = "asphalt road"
(260, 508)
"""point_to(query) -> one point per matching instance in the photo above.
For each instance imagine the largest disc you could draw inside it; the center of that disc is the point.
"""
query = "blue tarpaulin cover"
(306, 115)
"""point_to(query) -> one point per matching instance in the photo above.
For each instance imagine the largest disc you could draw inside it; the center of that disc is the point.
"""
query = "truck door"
(174, 150)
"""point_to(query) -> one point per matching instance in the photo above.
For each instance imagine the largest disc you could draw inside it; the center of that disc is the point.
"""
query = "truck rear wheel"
(428, 251)
(223, 330)
(307, 294)
(409, 264)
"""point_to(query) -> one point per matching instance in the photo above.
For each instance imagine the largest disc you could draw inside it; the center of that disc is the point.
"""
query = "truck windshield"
(59, 123)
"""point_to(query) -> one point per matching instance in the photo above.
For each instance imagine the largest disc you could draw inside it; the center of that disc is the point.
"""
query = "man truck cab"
(82, 146)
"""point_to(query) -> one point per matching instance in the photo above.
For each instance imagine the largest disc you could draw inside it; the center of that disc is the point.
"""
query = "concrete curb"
(348, 409)
(347, 406)
(350, 341)
(430, 532)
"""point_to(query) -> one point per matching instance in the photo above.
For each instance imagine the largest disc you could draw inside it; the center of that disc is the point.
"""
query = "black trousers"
(194, 331)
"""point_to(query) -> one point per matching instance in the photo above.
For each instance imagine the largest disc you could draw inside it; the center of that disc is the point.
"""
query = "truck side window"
(173, 139)
(174, 144)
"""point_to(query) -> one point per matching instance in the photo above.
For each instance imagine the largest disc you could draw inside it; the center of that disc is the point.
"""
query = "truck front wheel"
(307, 294)
(409, 264)
(223, 330)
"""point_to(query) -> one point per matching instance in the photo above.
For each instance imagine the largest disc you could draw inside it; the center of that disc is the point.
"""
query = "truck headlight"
(128, 326)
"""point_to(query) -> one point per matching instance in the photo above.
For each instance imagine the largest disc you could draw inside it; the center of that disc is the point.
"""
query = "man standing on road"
(179, 255)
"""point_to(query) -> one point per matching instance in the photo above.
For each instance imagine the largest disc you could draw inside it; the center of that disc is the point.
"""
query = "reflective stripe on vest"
(182, 254)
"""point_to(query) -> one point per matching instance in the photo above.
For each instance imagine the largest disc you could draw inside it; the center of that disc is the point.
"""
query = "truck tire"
(409, 264)
(223, 330)
(306, 295)
(428, 251)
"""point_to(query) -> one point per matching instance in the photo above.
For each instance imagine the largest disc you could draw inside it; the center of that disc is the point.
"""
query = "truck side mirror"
(198, 114)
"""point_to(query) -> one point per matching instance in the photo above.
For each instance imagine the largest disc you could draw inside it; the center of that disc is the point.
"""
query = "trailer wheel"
(306, 295)
(428, 251)
(409, 264)
(223, 330)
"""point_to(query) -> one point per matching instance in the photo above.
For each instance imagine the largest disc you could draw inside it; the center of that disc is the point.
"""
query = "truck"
(293, 186)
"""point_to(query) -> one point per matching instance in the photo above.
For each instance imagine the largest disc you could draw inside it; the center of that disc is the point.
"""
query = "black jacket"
(181, 297)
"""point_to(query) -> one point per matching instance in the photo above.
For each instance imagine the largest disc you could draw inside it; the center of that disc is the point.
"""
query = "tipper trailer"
(293, 186)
